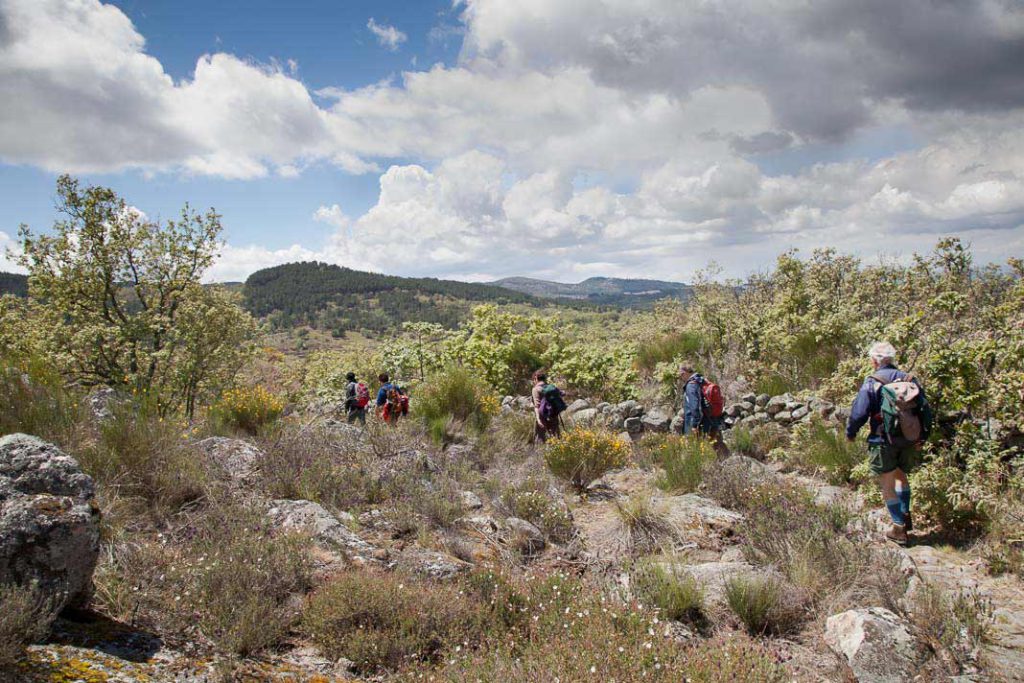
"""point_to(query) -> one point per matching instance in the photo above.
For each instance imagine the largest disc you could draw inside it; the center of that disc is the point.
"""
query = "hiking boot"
(897, 534)
(908, 522)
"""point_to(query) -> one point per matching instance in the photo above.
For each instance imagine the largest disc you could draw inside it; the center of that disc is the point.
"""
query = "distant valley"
(606, 291)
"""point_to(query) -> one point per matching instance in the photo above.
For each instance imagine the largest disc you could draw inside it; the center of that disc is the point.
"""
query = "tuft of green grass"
(670, 589)
(763, 604)
(684, 461)
(646, 527)
(455, 399)
(820, 448)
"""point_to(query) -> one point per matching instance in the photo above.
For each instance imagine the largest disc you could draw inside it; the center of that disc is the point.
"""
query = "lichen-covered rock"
(49, 524)
(657, 419)
(876, 644)
(577, 405)
(776, 404)
(430, 564)
(631, 408)
(523, 536)
(470, 501)
(633, 425)
(585, 416)
(102, 402)
(687, 509)
(327, 530)
(235, 459)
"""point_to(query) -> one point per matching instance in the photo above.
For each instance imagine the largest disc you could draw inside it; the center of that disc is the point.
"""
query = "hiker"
(392, 402)
(548, 405)
(703, 406)
(900, 418)
(357, 397)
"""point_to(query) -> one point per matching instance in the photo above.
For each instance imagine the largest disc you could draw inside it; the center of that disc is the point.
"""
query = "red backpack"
(713, 397)
(362, 395)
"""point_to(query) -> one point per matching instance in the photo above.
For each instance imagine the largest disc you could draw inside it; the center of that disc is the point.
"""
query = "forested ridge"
(341, 299)
(13, 283)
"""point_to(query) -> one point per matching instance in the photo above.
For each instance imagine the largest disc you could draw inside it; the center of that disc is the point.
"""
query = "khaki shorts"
(883, 457)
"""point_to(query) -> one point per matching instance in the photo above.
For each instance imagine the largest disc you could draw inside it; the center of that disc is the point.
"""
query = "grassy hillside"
(13, 283)
(342, 300)
(608, 291)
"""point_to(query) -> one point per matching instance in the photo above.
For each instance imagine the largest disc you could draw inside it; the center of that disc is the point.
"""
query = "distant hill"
(13, 283)
(340, 299)
(606, 291)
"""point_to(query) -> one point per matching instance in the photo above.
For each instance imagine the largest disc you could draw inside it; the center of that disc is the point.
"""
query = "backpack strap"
(881, 380)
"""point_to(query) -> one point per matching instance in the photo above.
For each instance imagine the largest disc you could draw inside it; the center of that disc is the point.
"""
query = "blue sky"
(550, 138)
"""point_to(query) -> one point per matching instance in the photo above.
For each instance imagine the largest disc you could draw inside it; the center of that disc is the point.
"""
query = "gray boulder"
(102, 403)
(577, 405)
(633, 425)
(876, 644)
(631, 408)
(470, 501)
(604, 407)
(235, 459)
(430, 564)
(523, 536)
(585, 416)
(657, 419)
(677, 424)
(749, 397)
(800, 413)
(327, 530)
(783, 417)
(685, 509)
(49, 523)
(755, 420)
(762, 400)
(776, 404)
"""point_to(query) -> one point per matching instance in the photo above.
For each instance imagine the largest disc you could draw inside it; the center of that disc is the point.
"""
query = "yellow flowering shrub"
(247, 408)
(582, 455)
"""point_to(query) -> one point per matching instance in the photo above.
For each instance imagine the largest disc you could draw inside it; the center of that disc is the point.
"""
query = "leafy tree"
(117, 298)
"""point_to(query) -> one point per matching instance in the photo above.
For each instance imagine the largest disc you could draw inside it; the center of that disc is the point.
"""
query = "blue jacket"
(382, 393)
(693, 403)
(868, 404)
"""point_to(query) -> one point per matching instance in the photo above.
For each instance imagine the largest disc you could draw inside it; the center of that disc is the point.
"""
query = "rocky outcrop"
(523, 536)
(49, 524)
(876, 644)
(689, 509)
(327, 530)
(234, 459)
(430, 564)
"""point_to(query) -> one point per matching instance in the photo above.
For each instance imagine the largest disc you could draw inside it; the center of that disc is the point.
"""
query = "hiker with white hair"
(893, 402)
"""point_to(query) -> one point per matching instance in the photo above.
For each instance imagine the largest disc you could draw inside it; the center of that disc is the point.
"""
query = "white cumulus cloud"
(388, 36)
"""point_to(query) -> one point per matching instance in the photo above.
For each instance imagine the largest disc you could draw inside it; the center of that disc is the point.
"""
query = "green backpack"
(905, 414)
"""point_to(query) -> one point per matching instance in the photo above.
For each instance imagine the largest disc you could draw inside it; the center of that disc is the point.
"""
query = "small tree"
(117, 298)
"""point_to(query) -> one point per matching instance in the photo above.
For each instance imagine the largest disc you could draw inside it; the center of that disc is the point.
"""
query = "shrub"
(819, 447)
(240, 578)
(319, 464)
(669, 588)
(667, 348)
(533, 501)
(247, 409)
(646, 527)
(740, 439)
(684, 460)
(763, 604)
(33, 400)
(25, 618)
(958, 623)
(388, 621)
(786, 529)
(766, 438)
(143, 456)
(582, 455)
(453, 399)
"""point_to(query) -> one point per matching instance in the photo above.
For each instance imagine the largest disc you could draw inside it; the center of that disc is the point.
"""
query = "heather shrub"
(143, 456)
(956, 623)
(582, 455)
(818, 447)
(533, 501)
(684, 460)
(388, 621)
(25, 618)
(246, 409)
(764, 604)
(669, 588)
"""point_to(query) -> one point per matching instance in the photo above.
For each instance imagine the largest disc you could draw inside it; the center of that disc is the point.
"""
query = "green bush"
(580, 456)
(667, 348)
(25, 618)
(246, 409)
(818, 447)
(684, 460)
(763, 604)
(33, 400)
(669, 588)
(453, 399)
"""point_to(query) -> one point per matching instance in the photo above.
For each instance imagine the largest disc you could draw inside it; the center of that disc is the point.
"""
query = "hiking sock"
(895, 511)
(904, 496)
